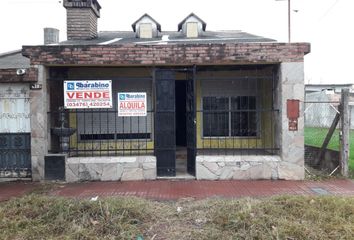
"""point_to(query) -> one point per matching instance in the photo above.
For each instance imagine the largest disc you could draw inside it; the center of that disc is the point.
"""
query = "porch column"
(39, 102)
(291, 86)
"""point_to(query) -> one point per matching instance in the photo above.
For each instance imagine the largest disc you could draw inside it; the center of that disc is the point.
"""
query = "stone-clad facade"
(110, 169)
(289, 164)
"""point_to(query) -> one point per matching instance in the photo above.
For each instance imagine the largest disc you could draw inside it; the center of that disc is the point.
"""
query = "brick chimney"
(81, 17)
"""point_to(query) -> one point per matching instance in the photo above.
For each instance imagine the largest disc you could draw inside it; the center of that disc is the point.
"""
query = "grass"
(315, 137)
(285, 217)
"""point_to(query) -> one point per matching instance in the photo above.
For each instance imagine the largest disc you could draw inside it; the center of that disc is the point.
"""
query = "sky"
(326, 24)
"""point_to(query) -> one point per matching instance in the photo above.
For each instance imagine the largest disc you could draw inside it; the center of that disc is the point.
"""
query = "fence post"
(344, 148)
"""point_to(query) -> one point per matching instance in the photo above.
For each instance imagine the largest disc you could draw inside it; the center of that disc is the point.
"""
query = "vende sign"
(88, 94)
(132, 104)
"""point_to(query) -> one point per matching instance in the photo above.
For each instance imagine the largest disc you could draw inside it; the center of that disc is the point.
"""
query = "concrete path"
(173, 190)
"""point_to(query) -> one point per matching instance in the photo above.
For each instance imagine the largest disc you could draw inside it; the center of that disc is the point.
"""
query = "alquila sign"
(132, 104)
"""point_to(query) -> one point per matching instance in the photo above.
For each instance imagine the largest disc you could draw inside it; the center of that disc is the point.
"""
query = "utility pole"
(289, 19)
(289, 22)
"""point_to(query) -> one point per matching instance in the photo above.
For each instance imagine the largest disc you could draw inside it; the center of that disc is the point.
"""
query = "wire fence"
(319, 117)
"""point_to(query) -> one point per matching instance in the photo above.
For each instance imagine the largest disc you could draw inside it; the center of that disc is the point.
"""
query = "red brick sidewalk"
(15, 189)
(172, 190)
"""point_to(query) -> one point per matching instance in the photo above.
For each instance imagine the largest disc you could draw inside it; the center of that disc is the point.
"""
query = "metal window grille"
(101, 132)
(238, 115)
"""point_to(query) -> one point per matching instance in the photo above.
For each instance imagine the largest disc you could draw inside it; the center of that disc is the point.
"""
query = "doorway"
(180, 98)
(181, 127)
(175, 124)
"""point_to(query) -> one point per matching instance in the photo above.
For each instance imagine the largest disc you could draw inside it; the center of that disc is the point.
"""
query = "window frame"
(258, 118)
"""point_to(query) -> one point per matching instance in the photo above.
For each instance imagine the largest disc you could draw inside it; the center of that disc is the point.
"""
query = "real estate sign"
(132, 104)
(88, 94)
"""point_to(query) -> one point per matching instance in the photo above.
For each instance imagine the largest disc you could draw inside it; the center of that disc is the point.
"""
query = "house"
(328, 88)
(322, 104)
(134, 105)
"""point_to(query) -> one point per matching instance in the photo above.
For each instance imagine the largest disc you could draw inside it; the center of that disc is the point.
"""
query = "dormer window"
(192, 30)
(146, 27)
(192, 26)
(145, 30)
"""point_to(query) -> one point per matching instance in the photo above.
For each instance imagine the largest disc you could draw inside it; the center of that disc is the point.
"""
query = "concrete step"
(179, 176)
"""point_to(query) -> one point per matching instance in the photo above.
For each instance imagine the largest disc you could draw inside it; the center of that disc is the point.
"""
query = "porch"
(225, 119)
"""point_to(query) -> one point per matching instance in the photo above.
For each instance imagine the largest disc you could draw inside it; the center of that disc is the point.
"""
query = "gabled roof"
(146, 15)
(191, 15)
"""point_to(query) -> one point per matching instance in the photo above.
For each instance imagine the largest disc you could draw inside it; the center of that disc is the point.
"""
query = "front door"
(165, 132)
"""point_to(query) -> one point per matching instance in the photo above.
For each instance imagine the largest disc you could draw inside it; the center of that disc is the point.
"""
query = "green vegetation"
(316, 136)
(286, 217)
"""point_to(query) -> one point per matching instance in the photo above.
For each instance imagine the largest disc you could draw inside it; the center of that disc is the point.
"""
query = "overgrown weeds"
(41, 217)
(294, 217)
(285, 217)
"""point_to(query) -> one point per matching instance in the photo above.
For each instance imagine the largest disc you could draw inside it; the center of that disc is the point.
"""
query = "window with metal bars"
(105, 124)
(230, 116)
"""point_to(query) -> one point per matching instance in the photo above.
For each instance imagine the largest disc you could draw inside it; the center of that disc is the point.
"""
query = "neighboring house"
(328, 88)
(15, 157)
(16, 80)
(321, 106)
(135, 104)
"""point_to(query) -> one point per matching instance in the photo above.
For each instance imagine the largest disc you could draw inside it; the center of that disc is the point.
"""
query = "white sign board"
(88, 94)
(132, 104)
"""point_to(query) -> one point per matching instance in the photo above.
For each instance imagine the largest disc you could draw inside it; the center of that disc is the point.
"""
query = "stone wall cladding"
(39, 109)
(110, 168)
(237, 167)
(9, 75)
(292, 150)
(181, 54)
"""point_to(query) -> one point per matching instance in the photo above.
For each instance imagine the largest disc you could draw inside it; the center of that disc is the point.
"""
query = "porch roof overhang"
(165, 55)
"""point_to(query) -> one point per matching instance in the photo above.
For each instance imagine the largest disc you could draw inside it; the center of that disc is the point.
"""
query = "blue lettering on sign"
(92, 85)
(135, 96)
(121, 96)
(70, 86)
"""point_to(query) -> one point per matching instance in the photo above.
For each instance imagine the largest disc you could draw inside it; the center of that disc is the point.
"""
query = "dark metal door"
(191, 121)
(165, 132)
(15, 155)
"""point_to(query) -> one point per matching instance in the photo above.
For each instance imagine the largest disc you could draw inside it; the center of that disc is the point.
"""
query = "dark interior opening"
(181, 129)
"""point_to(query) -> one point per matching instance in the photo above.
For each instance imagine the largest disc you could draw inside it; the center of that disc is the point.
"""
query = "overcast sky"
(326, 24)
